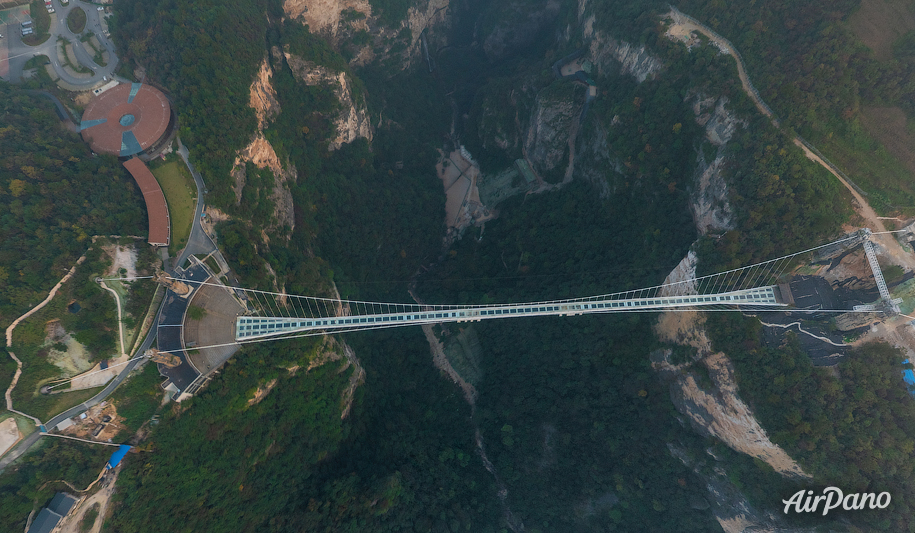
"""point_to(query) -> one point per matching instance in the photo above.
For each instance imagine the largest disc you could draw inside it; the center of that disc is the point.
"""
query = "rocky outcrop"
(547, 140)
(263, 96)
(424, 15)
(633, 60)
(339, 20)
(261, 153)
(720, 124)
(709, 200)
(714, 410)
(732, 510)
(608, 54)
(327, 16)
(709, 197)
(352, 120)
(720, 413)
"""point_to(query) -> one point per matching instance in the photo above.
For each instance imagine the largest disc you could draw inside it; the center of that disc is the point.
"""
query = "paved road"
(26, 443)
(171, 323)
(198, 242)
(20, 53)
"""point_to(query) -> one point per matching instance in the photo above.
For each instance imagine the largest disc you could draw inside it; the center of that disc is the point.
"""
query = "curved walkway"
(198, 243)
(117, 300)
(802, 330)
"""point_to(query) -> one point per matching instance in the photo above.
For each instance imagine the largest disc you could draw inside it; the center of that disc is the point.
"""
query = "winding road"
(198, 243)
(27, 442)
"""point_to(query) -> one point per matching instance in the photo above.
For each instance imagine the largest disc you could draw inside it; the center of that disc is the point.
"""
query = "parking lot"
(76, 70)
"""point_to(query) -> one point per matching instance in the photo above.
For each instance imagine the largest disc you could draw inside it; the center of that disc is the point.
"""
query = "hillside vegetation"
(55, 196)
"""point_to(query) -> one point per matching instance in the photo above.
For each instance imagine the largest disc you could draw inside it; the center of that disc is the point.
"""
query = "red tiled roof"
(101, 119)
(159, 223)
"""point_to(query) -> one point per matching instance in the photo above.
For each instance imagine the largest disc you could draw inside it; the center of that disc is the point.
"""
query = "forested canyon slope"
(523, 150)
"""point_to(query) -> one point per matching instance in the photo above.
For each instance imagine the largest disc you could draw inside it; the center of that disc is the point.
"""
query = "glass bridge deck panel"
(254, 327)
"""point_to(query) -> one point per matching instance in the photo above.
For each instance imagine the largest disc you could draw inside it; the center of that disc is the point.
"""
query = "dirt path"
(9, 339)
(70, 524)
(117, 300)
(687, 24)
(865, 211)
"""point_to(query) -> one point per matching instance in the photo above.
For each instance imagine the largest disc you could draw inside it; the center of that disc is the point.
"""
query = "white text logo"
(805, 502)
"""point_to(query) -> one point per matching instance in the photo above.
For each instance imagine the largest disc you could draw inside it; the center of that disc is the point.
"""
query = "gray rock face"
(547, 139)
(709, 198)
(609, 54)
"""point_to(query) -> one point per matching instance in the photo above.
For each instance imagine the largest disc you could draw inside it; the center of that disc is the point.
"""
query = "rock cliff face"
(338, 20)
(609, 54)
(718, 412)
(352, 120)
(709, 202)
(709, 198)
(547, 138)
(720, 124)
(732, 510)
(327, 16)
(263, 96)
(261, 153)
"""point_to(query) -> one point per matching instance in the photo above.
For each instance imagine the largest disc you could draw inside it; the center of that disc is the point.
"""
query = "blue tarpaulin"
(118, 455)
(908, 375)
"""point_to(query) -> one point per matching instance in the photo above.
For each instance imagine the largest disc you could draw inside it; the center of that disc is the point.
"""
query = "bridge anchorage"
(760, 287)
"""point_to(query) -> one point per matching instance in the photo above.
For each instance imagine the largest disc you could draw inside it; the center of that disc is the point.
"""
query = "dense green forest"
(570, 413)
(403, 456)
(816, 75)
(854, 429)
(55, 196)
(205, 54)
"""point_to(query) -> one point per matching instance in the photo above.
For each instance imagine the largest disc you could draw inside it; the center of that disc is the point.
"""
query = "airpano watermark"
(805, 502)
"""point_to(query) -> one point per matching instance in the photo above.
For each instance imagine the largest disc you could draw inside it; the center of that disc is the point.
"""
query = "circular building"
(126, 119)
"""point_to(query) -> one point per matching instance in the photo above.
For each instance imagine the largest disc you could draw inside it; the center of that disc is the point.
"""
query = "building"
(126, 120)
(50, 516)
(156, 206)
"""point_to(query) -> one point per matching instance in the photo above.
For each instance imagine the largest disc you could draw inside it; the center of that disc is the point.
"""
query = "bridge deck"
(253, 327)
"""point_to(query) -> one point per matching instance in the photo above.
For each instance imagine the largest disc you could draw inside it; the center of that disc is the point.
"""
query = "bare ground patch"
(888, 125)
(878, 23)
